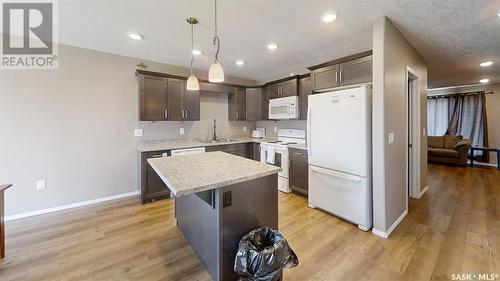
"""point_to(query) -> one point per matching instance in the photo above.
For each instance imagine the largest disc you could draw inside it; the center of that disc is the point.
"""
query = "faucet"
(214, 139)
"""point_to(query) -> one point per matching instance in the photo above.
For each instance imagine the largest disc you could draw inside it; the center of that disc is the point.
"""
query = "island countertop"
(194, 173)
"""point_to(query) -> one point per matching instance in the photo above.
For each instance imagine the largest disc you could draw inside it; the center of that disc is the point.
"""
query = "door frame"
(412, 98)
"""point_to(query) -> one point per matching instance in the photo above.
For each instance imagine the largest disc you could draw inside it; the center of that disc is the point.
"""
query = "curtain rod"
(458, 94)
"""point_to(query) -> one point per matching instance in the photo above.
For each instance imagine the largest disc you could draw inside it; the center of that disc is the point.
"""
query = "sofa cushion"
(443, 152)
(451, 141)
(436, 142)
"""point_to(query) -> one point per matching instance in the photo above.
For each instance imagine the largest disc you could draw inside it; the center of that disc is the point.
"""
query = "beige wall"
(391, 55)
(492, 112)
(74, 127)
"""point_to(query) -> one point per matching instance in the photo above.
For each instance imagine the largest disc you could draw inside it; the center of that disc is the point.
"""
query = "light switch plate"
(244, 128)
(424, 132)
(138, 133)
(181, 131)
(40, 184)
(391, 138)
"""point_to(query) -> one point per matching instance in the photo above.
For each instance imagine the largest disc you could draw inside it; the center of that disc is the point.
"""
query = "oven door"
(280, 159)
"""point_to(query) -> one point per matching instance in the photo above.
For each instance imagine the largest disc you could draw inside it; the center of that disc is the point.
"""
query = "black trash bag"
(262, 253)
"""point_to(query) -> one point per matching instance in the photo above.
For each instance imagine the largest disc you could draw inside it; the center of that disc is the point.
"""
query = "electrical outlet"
(424, 132)
(181, 131)
(138, 133)
(275, 129)
(391, 138)
(244, 128)
(40, 184)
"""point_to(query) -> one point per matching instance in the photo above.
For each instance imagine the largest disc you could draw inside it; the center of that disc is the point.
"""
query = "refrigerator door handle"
(336, 174)
(308, 137)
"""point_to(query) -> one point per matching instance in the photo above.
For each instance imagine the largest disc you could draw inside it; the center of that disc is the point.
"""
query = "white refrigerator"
(339, 147)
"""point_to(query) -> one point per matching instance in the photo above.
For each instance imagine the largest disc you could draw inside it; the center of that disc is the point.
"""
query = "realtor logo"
(28, 35)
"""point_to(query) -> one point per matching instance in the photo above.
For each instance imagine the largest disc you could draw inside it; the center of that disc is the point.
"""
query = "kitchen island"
(219, 197)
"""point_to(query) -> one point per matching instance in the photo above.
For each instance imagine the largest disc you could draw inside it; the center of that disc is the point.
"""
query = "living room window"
(459, 114)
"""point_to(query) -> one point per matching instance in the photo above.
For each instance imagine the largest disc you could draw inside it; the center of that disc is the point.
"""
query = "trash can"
(262, 254)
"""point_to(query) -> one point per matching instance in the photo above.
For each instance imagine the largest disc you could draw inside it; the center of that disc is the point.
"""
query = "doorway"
(412, 135)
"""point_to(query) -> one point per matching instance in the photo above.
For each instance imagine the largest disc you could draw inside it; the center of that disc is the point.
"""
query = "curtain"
(439, 112)
(460, 114)
(469, 120)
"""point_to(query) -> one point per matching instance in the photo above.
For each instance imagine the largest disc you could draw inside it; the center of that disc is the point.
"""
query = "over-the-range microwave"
(284, 108)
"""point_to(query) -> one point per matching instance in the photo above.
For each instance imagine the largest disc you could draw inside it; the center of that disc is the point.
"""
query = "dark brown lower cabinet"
(152, 186)
(299, 173)
(239, 149)
(256, 151)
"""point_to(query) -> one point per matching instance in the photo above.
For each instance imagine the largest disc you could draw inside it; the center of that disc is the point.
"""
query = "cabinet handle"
(237, 115)
(340, 74)
(156, 156)
(186, 114)
(166, 114)
(336, 76)
(246, 115)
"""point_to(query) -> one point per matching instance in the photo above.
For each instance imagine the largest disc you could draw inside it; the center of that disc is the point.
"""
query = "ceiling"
(453, 36)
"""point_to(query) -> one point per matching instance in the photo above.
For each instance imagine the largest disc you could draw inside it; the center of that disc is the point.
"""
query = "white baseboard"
(393, 226)
(423, 191)
(70, 206)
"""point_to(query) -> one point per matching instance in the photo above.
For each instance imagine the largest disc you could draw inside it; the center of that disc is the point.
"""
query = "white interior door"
(339, 132)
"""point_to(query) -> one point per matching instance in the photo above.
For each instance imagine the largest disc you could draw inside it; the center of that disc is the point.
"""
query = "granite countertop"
(193, 173)
(148, 146)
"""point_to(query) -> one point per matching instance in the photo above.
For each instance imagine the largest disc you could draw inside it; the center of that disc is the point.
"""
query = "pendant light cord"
(216, 38)
(192, 46)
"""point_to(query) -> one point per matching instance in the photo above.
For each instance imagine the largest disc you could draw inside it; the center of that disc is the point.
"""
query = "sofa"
(450, 150)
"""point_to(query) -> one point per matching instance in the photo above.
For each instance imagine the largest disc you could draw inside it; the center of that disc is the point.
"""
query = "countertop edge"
(153, 148)
(211, 186)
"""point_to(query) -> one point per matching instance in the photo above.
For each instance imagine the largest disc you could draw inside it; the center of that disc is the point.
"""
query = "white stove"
(276, 153)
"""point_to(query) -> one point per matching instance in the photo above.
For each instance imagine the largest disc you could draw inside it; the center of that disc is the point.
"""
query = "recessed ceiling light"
(196, 52)
(329, 17)
(135, 36)
(485, 80)
(272, 46)
(240, 62)
(486, 63)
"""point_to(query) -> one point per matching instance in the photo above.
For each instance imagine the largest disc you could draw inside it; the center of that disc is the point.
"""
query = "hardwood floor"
(453, 228)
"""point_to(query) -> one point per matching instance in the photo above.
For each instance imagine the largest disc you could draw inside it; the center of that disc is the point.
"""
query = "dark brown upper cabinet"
(283, 88)
(253, 104)
(153, 98)
(237, 105)
(351, 70)
(165, 98)
(325, 78)
(305, 91)
(356, 71)
(192, 105)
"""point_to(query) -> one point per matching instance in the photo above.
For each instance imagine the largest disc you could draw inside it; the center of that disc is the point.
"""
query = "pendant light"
(192, 83)
(215, 73)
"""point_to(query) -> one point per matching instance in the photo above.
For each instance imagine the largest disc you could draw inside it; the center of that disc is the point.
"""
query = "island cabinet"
(351, 70)
(256, 151)
(253, 104)
(299, 173)
(152, 186)
(165, 98)
(305, 91)
(283, 88)
(238, 149)
(237, 105)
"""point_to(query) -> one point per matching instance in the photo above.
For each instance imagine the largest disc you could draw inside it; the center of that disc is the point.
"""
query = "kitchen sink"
(218, 141)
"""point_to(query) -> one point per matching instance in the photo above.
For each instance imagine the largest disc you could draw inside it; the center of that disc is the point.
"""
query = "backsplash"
(282, 124)
(212, 106)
